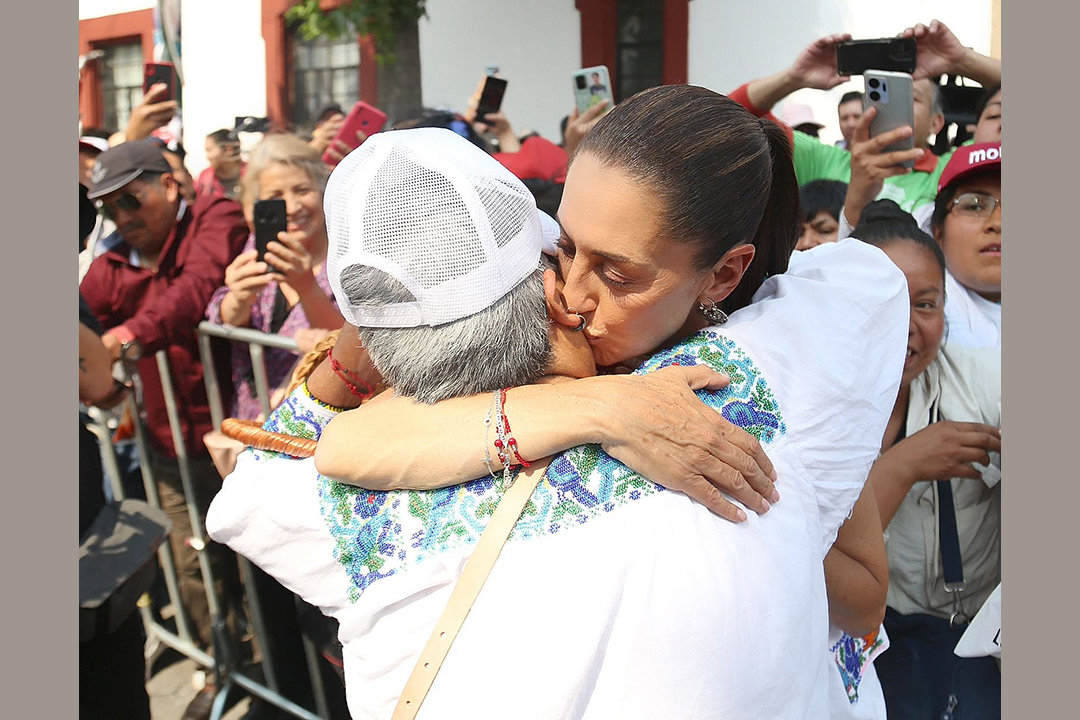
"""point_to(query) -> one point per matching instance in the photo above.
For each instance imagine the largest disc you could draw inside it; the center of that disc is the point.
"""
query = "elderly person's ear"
(556, 303)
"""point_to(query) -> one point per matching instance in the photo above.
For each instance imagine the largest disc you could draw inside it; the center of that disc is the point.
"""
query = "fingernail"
(772, 474)
(740, 515)
(765, 506)
(775, 495)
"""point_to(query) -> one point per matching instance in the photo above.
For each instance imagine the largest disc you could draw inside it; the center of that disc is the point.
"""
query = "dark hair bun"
(885, 211)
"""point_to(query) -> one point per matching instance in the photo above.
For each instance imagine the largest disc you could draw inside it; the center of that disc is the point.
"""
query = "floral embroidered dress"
(613, 597)
(269, 307)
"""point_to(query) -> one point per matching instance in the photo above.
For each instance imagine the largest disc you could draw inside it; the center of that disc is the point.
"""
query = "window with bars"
(639, 43)
(323, 72)
(121, 69)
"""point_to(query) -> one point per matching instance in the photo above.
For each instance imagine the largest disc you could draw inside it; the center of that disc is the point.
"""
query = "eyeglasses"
(976, 204)
(127, 202)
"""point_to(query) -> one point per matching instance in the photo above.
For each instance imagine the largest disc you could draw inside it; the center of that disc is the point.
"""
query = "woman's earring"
(713, 313)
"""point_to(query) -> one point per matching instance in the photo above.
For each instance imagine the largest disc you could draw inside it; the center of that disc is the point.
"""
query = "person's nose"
(993, 223)
(577, 289)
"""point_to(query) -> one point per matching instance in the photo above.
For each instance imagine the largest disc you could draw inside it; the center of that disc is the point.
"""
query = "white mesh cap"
(440, 216)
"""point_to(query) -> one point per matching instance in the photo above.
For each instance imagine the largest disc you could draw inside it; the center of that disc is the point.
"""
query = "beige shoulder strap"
(465, 591)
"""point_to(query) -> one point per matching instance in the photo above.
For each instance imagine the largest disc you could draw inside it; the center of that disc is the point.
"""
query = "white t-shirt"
(972, 320)
(613, 597)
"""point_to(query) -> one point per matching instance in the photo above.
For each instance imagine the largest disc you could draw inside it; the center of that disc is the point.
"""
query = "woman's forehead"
(604, 208)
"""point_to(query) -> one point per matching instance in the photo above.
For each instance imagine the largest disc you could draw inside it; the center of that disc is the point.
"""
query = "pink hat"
(970, 159)
(797, 114)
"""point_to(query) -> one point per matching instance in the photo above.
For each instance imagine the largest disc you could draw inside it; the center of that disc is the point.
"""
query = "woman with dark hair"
(679, 208)
(967, 224)
(944, 425)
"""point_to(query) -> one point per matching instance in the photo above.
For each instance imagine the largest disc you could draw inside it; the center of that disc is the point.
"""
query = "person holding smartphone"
(938, 52)
(285, 290)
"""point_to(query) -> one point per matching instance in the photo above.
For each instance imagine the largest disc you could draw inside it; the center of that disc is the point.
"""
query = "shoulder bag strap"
(465, 591)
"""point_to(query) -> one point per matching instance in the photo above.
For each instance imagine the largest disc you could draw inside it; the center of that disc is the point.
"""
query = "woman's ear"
(556, 304)
(727, 273)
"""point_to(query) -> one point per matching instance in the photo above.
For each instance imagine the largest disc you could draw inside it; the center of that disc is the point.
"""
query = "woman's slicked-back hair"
(725, 177)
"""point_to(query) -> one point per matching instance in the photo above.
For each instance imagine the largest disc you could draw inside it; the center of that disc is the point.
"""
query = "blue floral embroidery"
(380, 533)
(852, 656)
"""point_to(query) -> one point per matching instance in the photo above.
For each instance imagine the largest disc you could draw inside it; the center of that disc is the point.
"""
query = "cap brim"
(549, 234)
(98, 191)
(94, 143)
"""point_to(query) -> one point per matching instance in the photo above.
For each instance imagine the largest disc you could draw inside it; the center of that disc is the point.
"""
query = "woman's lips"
(992, 249)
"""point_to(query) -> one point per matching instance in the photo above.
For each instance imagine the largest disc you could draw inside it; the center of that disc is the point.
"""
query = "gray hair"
(281, 149)
(503, 346)
(936, 107)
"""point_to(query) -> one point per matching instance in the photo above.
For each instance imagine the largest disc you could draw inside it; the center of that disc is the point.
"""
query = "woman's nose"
(576, 290)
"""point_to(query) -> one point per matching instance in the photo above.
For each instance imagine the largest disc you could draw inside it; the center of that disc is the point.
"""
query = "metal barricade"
(223, 663)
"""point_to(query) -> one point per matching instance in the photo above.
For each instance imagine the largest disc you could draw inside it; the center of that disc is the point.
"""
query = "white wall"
(732, 42)
(537, 45)
(99, 8)
(224, 62)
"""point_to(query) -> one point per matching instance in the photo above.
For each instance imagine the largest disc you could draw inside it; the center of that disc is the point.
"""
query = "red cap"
(538, 159)
(970, 159)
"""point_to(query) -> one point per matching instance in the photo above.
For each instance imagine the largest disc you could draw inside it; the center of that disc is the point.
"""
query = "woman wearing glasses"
(967, 224)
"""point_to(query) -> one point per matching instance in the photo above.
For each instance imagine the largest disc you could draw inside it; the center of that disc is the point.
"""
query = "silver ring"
(580, 326)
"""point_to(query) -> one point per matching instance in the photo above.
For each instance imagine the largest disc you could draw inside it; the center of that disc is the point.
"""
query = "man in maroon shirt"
(149, 290)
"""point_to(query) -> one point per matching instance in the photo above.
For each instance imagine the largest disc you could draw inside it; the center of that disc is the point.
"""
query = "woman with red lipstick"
(288, 292)
(944, 425)
(967, 224)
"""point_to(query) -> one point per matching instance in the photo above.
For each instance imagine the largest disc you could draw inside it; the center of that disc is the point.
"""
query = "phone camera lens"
(873, 82)
(580, 82)
(875, 95)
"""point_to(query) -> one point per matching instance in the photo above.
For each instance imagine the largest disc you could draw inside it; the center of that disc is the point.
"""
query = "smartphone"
(154, 73)
(890, 93)
(855, 57)
(362, 117)
(270, 218)
(592, 85)
(491, 97)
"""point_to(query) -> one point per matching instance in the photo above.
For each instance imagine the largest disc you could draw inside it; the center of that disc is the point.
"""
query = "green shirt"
(814, 160)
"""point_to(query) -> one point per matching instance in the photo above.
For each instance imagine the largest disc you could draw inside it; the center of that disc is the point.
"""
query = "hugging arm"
(857, 569)
(653, 423)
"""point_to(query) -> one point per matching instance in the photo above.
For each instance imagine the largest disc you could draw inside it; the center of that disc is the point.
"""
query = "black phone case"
(270, 218)
(855, 57)
(491, 97)
(160, 74)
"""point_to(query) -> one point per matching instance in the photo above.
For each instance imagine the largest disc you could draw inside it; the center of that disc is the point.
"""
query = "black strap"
(948, 536)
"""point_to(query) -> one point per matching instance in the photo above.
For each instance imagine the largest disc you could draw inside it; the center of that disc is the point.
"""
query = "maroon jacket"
(162, 309)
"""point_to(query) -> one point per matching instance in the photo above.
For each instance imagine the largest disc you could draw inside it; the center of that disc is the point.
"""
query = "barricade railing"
(224, 661)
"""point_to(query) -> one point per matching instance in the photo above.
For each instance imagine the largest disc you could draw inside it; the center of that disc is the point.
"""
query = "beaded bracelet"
(510, 443)
(344, 374)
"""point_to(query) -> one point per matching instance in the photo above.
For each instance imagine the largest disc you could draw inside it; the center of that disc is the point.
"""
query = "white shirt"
(615, 598)
(972, 320)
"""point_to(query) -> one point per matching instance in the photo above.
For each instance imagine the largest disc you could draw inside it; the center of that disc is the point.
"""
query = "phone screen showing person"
(491, 97)
(591, 86)
(271, 218)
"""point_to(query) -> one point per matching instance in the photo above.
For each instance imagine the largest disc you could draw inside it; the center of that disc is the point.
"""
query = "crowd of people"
(755, 383)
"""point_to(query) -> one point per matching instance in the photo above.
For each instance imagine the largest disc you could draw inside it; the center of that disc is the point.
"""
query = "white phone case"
(594, 91)
(895, 106)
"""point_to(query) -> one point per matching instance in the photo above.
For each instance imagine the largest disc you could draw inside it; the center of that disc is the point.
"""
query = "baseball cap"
(118, 166)
(91, 142)
(796, 114)
(437, 214)
(968, 160)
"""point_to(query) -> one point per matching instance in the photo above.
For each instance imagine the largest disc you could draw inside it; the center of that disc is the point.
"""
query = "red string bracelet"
(511, 442)
(344, 374)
